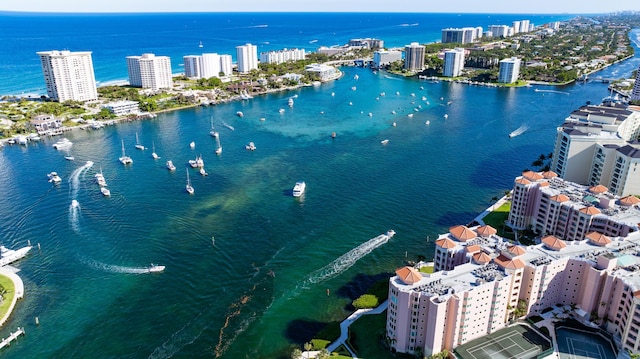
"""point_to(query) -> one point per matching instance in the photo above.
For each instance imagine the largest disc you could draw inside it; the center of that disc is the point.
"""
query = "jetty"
(13, 336)
(8, 256)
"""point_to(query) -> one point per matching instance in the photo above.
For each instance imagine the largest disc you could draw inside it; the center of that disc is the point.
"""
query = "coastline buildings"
(280, 56)
(499, 30)
(465, 35)
(414, 57)
(68, 75)
(247, 57)
(453, 62)
(207, 65)
(482, 281)
(382, 58)
(323, 72)
(367, 43)
(509, 70)
(150, 71)
(598, 144)
(635, 93)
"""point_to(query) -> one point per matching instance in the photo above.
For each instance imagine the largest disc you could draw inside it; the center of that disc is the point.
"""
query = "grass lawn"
(496, 219)
(426, 269)
(365, 339)
(8, 297)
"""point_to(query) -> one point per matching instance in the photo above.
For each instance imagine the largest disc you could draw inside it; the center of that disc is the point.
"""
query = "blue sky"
(454, 6)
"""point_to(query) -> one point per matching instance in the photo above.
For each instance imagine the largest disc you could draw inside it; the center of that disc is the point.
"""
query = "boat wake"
(346, 260)
(114, 268)
(520, 130)
(74, 217)
(391, 77)
(552, 91)
(228, 126)
(74, 179)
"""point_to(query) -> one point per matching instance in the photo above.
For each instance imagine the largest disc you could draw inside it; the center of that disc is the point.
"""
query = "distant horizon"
(307, 12)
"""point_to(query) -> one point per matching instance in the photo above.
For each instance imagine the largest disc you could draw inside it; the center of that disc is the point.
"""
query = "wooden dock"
(13, 336)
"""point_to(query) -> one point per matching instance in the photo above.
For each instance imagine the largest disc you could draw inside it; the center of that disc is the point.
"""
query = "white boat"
(170, 166)
(189, 187)
(240, 114)
(138, 145)
(410, 115)
(63, 144)
(353, 88)
(245, 95)
(290, 102)
(213, 132)
(384, 142)
(100, 179)
(69, 158)
(75, 204)
(88, 164)
(22, 140)
(203, 172)
(427, 123)
(105, 191)
(154, 154)
(251, 146)
(192, 145)
(198, 162)
(125, 160)
(54, 178)
(445, 116)
(355, 77)
(298, 189)
(281, 110)
(155, 268)
(200, 44)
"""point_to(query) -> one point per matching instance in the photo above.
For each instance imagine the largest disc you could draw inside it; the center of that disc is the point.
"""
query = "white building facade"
(280, 56)
(635, 94)
(247, 57)
(453, 62)
(509, 70)
(68, 75)
(382, 58)
(150, 72)
(414, 57)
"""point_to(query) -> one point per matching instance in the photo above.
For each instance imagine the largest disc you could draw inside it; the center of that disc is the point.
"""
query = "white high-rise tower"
(68, 75)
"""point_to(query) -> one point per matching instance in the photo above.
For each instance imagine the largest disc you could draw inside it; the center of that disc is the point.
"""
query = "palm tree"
(308, 346)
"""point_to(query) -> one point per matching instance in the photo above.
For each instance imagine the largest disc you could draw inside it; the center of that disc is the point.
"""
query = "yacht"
(203, 172)
(281, 110)
(100, 179)
(290, 102)
(154, 154)
(240, 114)
(54, 178)
(298, 189)
(384, 142)
(445, 116)
(192, 145)
(170, 166)
(251, 146)
(198, 162)
(69, 158)
(188, 187)
(22, 140)
(75, 204)
(63, 144)
(105, 191)
(138, 145)
(155, 268)
(125, 160)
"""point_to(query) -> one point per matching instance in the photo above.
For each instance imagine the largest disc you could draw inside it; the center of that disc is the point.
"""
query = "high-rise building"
(247, 57)
(226, 65)
(465, 35)
(500, 30)
(509, 70)
(68, 75)
(414, 57)
(524, 26)
(453, 62)
(635, 94)
(211, 65)
(192, 66)
(207, 65)
(150, 71)
(278, 57)
(383, 58)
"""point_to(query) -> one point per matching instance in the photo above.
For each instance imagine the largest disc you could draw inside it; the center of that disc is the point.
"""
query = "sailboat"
(200, 45)
(213, 132)
(216, 135)
(125, 160)
(138, 145)
(154, 154)
(189, 188)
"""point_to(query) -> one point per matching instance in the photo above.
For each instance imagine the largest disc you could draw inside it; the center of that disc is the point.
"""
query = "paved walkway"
(18, 290)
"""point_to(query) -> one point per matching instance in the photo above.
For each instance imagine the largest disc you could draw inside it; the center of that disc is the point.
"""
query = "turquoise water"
(247, 264)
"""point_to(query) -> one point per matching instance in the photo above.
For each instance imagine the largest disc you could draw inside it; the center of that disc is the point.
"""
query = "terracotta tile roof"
(549, 174)
(598, 239)
(481, 258)
(560, 198)
(473, 249)
(445, 243)
(516, 250)
(598, 189)
(637, 294)
(553, 242)
(532, 176)
(462, 233)
(522, 181)
(544, 184)
(629, 201)
(486, 231)
(508, 263)
(408, 275)
(591, 210)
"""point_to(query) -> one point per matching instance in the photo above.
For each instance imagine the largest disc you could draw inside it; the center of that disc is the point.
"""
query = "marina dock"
(13, 336)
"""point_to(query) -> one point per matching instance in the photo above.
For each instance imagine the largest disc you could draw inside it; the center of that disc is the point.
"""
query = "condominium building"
(367, 43)
(226, 65)
(150, 71)
(516, 27)
(323, 72)
(382, 58)
(635, 94)
(597, 144)
(453, 62)
(68, 75)
(280, 56)
(525, 26)
(414, 57)
(465, 35)
(206, 65)
(124, 107)
(499, 30)
(192, 66)
(509, 70)
(482, 282)
(555, 25)
(247, 57)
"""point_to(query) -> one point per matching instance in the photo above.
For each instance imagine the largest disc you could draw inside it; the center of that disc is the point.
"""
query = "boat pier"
(13, 336)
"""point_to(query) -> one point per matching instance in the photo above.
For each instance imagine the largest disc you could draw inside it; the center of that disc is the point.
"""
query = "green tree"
(365, 301)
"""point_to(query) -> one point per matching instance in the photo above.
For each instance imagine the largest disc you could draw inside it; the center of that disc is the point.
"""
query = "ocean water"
(247, 265)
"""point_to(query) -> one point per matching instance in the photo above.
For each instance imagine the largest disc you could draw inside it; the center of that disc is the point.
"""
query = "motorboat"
(154, 154)
(281, 110)
(198, 162)
(54, 178)
(299, 188)
(105, 191)
(445, 116)
(125, 160)
(100, 179)
(75, 204)
(63, 144)
(69, 158)
(384, 142)
(192, 145)
(251, 146)
(170, 166)
(189, 187)
(155, 268)
(22, 140)
(213, 132)
(203, 172)
(240, 114)
(290, 102)
(138, 145)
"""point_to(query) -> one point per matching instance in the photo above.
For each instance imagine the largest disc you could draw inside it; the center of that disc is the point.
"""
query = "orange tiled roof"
(445, 243)
(598, 239)
(553, 242)
(486, 231)
(522, 181)
(598, 189)
(532, 176)
(560, 198)
(629, 201)
(473, 249)
(507, 263)
(544, 184)
(549, 174)
(591, 210)
(481, 258)
(408, 275)
(516, 250)
(462, 233)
